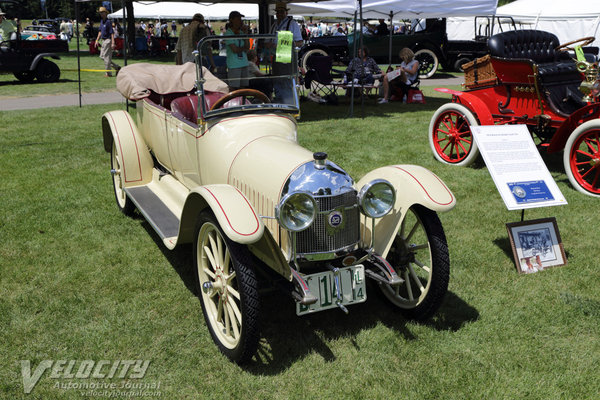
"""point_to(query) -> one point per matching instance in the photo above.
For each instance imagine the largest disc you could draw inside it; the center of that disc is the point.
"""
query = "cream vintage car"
(222, 169)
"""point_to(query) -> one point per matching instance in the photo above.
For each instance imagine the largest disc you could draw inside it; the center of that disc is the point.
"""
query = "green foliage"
(78, 280)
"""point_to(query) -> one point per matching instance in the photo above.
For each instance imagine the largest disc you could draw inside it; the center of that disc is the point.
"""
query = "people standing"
(282, 86)
(7, 28)
(106, 33)
(188, 40)
(237, 59)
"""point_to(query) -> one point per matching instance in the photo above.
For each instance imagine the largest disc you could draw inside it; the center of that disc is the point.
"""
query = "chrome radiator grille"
(320, 237)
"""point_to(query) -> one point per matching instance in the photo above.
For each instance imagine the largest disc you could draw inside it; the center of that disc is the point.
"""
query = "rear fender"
(414, 185)
(473, 103)
(136, 162)
(233, 211)
(39, 57)
(584, 114)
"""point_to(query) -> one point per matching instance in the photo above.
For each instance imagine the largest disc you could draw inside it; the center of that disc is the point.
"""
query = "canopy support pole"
(78, 55)
(391, 33)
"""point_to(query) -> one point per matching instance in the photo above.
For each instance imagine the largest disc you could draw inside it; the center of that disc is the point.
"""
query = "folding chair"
(320, 77)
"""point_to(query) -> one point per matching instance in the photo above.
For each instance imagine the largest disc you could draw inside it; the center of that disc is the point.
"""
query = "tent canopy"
(400, 8)
(569, 20)
(170, 10)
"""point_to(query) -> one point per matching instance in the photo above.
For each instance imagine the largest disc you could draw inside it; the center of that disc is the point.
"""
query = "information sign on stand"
(520, 175)
(523, 181)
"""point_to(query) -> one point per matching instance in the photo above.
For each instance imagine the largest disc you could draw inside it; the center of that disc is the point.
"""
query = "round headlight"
(296, 211)
(377, 198)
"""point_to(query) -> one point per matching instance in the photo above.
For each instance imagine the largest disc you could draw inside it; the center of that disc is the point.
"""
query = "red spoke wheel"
(582, 158)
(450, 136)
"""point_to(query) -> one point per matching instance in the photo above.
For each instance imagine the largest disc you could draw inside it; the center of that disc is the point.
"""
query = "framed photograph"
(536, 245)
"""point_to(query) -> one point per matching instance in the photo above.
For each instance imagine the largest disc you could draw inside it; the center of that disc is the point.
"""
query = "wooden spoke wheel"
(228, 290)
(581, 158)
(419, 254)
(450, 136)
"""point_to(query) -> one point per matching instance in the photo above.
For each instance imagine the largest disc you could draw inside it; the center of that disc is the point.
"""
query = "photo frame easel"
(536, 245)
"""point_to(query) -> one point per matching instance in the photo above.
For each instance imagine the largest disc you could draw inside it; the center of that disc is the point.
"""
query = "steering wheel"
(585, 41)
(240, 93)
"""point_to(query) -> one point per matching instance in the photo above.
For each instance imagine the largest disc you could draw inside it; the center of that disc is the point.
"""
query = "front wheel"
(25, 76)
(581, 158)
(420, 256)
(428, 63)
(228, 290)
(450, 136)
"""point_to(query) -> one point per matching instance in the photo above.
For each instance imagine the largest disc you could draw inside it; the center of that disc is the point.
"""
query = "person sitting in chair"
(362, 68)
(409, 73)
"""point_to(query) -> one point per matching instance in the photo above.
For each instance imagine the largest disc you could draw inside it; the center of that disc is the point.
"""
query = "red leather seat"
(187, 106)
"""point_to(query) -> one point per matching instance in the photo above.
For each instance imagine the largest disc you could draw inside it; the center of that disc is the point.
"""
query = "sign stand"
(523, 181)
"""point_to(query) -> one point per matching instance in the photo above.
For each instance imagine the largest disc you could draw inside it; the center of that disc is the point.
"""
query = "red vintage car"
(528, 78)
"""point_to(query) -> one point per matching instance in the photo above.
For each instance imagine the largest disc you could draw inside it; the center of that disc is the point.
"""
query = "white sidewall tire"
(436, 63)
(468, 115)
(312, 53)
(577, 133)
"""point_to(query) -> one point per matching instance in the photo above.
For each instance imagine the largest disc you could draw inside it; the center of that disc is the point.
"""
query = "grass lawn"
(80, 281)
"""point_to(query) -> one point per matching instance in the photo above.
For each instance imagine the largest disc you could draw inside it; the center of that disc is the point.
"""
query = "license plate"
(322, 285)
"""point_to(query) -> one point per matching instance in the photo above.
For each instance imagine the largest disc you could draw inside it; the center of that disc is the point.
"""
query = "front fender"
(473, 103)
(136, 161)
(414, 185)
(233, 211)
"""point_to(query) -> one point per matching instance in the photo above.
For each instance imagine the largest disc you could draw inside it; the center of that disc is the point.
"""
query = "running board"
(158, 215)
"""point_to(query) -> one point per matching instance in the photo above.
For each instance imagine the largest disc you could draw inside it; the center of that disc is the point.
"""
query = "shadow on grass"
(17, 82)
(286, 338)
(311, 111)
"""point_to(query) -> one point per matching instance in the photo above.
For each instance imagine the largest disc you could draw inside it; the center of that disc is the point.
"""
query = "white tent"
(169, 10)
(400, 8)
(569, 20)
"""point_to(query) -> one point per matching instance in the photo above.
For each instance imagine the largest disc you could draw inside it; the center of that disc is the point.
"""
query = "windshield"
(260, 72)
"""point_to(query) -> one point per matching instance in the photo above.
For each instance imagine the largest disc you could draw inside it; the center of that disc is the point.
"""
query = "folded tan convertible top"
(136, 80)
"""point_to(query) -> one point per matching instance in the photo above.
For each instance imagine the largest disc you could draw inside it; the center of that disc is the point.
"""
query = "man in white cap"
(107, 34)
(282, 87)
(188, 40)
(7, 27)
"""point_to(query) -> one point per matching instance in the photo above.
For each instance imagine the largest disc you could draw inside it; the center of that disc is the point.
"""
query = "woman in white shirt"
(409, 72)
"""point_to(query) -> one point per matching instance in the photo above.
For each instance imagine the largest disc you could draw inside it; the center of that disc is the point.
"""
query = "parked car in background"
(36, 32)
(222, 169)
(426, 44)
(28, 59)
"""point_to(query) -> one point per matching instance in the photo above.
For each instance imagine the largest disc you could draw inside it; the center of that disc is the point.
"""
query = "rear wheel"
(428, 63)
(123, 202)
(581, 158)
(47, 71)
(450, 136)
(25, 76)
(420, 256)
(228, 290)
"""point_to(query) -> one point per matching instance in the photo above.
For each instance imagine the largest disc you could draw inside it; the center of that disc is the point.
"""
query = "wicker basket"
(479, 73)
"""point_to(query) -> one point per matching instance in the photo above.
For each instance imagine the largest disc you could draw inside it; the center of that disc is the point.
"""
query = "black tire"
(425, 247)
(47, 71)
(428, 63)
(459, 63)
(233, 321)
(25, 76)
(123, 202)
